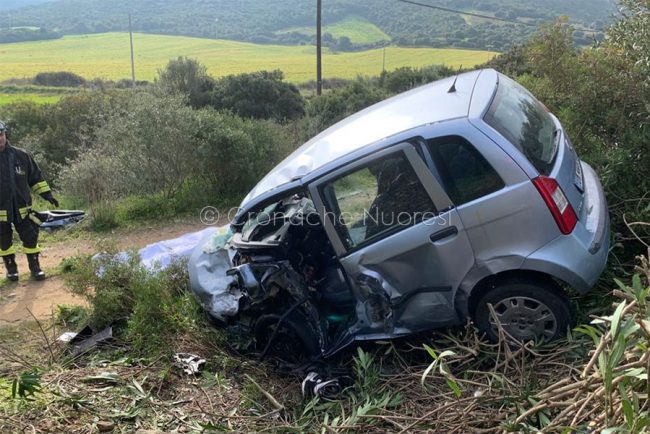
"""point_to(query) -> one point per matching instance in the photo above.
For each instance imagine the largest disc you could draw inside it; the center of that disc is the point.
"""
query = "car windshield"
(525, 122)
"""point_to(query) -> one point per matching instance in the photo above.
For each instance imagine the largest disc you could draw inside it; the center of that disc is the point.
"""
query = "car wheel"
(292, 341)
(527, 311)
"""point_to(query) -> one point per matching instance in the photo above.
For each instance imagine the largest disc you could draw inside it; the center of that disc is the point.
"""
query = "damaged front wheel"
(286, 337)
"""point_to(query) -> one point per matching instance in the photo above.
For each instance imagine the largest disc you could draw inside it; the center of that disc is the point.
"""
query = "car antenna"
(452, 89)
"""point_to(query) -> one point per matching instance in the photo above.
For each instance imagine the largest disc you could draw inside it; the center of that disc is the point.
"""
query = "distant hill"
(290, 21)
(15, 4)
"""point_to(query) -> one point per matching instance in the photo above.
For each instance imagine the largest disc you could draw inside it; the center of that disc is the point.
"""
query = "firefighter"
(19, 174)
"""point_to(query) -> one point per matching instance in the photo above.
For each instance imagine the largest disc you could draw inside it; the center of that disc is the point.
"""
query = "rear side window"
(520, 118)
(465, 173)
(376, 201)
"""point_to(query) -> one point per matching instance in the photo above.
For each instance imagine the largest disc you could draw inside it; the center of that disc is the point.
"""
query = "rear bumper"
(580, 257)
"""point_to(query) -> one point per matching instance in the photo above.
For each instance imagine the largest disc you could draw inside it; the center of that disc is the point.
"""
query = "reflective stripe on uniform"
(3, 215)
(23, 212)
(40, 187)
(30, 250)
(34, 217)
(10, 251)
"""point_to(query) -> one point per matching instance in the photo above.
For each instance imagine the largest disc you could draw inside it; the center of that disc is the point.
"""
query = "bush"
(330, 108)
(157, 305)
(235, 153)
(148, 147)
(259, 95)
(186, 77)
(405, 78)
(59, 79)
(62, 131)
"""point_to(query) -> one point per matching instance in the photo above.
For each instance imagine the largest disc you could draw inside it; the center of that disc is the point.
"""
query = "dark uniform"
(19, 177)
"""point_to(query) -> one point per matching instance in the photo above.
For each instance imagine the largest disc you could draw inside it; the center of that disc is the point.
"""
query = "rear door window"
(465, 174)
(377, 200)
(519, 117)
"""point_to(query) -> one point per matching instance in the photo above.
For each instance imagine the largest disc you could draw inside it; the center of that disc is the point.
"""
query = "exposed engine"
(285, 279)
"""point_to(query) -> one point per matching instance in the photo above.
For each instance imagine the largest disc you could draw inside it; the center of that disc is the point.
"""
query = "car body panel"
(414, 277)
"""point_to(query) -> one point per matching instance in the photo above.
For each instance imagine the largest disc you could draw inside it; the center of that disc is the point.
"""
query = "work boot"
(11, 266)
(35, 267)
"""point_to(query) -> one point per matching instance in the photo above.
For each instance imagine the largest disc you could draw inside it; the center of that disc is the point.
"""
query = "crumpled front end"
(275, 279)
(209, 263)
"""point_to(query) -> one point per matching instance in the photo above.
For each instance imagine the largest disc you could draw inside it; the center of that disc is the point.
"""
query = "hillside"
(15, 4)
(285, 21)
(107, 56)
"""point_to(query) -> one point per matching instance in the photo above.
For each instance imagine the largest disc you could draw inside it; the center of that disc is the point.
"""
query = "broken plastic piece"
(83, 340)
(57, 219)
(315, 385)
(191, 364)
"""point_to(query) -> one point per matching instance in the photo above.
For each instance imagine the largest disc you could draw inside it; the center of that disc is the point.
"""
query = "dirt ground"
(41, 298)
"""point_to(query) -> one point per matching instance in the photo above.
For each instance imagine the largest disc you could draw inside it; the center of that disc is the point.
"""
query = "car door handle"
(444, 233)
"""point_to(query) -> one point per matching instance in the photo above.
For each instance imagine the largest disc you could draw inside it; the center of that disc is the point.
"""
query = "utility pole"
(132, 61)
(319, 54)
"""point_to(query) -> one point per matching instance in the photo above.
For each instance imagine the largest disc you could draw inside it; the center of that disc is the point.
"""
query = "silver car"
(463, 198)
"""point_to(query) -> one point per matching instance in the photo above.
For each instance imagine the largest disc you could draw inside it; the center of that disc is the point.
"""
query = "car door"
(398, 238)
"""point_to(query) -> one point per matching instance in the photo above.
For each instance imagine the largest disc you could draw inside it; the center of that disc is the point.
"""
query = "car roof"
(424, 105)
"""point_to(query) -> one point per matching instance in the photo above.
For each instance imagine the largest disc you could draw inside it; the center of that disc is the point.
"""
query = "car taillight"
(557, 203)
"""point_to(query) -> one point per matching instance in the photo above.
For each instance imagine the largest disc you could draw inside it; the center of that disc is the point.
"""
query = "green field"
(106, 56)
(359, 31)
(9, 98)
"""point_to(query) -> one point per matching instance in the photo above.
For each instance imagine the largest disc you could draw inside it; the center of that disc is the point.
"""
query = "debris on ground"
(59, 219)
(191, 364)
(85, 338)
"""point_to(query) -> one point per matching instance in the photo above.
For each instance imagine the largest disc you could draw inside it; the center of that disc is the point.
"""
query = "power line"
(487, 17)
(471, 14)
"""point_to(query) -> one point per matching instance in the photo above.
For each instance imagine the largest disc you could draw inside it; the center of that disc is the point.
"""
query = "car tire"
(527, 310)
(292, 342)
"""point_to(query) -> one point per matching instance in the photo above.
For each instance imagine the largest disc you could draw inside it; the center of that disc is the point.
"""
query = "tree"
(187, 77)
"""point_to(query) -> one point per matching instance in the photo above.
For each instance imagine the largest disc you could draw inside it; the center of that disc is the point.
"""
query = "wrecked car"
(463, 198)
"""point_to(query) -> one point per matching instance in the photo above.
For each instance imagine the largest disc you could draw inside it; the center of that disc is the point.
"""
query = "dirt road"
(19, 298)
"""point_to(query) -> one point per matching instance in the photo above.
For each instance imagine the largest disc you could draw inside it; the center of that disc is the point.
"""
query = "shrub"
(330, 108)
(62, 79)
(260, 95)
(405, 78)
(186, 77)
(148, 147)
(156, 305)
(234, 153)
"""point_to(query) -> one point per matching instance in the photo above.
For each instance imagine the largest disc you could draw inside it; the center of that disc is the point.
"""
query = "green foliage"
(234, 153)
(22, 34)
(26, 385)
(333, 106)
(59, 79)
(157, 305)
(405, 78)
(103, 217)
(631, 35)
(189, 78)
(70, 316)
(260, 95)
(146, 147)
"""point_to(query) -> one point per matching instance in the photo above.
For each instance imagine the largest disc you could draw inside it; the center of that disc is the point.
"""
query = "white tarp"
(163, 252)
